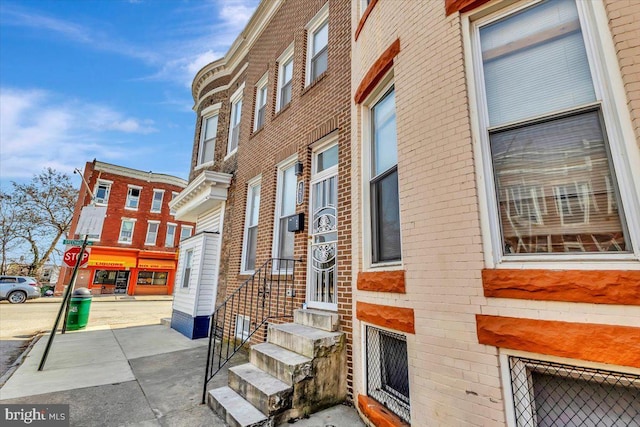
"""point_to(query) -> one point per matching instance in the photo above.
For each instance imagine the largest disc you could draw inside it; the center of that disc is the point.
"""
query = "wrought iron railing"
(267, 295)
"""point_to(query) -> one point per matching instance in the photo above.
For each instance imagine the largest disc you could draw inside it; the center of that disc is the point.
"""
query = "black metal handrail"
(267, 294)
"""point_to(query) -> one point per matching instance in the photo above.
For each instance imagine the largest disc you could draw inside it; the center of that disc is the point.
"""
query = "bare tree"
(9, 229)
(45, 207)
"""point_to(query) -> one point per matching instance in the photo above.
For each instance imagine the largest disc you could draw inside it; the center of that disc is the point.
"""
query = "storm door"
(323, 230)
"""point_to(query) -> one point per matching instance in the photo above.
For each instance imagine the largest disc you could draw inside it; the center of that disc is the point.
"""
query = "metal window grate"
(388, 371)
(553, 394)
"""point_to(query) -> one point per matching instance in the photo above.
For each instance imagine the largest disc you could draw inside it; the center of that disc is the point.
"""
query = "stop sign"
(71, 256)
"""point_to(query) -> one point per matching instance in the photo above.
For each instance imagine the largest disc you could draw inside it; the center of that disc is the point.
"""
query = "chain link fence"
(388, 371)
(553, 394)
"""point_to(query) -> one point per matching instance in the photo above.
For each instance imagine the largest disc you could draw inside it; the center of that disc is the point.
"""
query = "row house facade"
(271, 174)
(136, 252)
(495, 215)
(456, 180)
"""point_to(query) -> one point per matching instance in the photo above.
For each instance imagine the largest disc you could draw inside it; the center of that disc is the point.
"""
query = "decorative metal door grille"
(553, 394)
(324, 231)
(388, 371)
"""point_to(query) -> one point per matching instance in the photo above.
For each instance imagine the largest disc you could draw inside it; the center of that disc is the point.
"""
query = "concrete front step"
(236, 411)
(264, 391)
(285, 365)
(305, 340)
(325, 320)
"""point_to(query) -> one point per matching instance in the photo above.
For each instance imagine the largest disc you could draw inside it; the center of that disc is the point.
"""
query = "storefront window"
(105, 277)
(153, 278)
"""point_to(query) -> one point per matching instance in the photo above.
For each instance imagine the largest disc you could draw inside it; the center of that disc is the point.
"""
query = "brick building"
(271, 149)
(496, 216)
(136, 251)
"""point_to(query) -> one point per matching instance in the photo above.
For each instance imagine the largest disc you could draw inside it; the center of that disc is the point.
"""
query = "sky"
(105, 79)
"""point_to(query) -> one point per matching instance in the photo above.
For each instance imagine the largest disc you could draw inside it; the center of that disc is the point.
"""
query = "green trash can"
(79, 309)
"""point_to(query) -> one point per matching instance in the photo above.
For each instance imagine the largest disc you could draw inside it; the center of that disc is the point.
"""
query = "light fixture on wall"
(298, 168)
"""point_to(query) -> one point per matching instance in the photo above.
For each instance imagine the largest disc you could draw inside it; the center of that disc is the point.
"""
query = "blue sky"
(105, 79)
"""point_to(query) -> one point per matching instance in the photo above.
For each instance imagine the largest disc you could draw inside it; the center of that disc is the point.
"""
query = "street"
(20, 322)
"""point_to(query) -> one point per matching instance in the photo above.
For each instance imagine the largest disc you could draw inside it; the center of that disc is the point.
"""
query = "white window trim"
(243, 333)
(282, 60)
(276, 226)
(237, 96)
(133, 228)
(191, 251)
(507, 388)
(186, 227)
(611, 95)
(251, 184)
(147, 242)
(367, 238)
(126, 201)
(157, 190)
(210, 111)
(171, 224)
(262, 83)
(316, 22)
(106, 182)
(174, 194)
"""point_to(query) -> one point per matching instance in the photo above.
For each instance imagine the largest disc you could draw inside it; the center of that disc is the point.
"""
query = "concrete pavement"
(137, 376)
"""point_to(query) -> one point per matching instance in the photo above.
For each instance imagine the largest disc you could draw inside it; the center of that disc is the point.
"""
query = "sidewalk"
(139, 376)
(105, 298)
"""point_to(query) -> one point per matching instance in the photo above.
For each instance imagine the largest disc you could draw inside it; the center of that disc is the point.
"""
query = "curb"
(16, 364)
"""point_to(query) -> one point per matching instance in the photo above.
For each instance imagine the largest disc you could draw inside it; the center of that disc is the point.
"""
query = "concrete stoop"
(301, 369)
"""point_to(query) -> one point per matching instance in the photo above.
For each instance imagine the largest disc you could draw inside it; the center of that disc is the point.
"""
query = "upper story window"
(317, 44)
(102, 191)
(234, 122)
(156, 203)
(133, 197)
(283, 240)
(170, 238)
(126, 230)
(285, 78)
(251, 226)
(383, 180)
(185, 232)
(152, 233)
(261, 102)
(550, 136)
(208, 139)
(174, 194)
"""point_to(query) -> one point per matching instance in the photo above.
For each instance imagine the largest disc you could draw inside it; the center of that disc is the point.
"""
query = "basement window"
(554, 394)
(388, 371)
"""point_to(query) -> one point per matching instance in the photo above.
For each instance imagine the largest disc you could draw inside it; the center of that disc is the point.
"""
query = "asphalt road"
(19, 323)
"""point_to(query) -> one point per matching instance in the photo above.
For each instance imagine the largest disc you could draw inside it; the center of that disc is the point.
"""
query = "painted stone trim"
(382, 281)
(588, 286)
(377, 72)
(452, 6)
(379, 415)
(396, 318)
(364, 17)
(612, 344)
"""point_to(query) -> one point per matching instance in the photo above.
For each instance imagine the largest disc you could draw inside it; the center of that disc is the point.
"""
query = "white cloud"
(41, 129)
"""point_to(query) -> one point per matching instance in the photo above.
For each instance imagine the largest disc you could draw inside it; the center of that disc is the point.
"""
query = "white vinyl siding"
(209, 221)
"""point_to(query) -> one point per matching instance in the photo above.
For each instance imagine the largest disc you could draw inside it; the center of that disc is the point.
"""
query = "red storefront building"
(136, 252)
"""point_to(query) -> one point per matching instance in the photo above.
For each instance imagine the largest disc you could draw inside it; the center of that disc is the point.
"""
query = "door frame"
(314, 179)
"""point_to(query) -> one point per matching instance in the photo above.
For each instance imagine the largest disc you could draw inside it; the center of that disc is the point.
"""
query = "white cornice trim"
(205, 192)
(239, 49)
(138, 174)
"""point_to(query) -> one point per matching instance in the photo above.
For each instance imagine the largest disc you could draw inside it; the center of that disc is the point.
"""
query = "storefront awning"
(109, 260)
(157, 263)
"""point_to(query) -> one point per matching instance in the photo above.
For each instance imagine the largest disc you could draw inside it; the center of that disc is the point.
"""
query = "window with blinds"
(555, 184)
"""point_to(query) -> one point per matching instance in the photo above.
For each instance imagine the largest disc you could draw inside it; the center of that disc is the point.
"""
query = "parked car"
(18, 289)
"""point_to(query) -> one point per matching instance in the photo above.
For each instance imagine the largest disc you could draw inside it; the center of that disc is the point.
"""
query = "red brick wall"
(314, 112)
